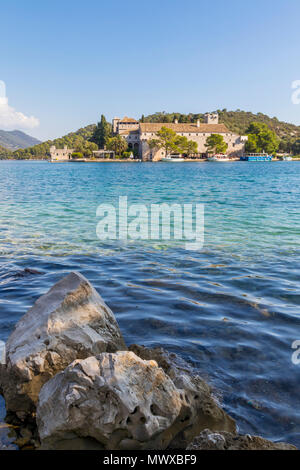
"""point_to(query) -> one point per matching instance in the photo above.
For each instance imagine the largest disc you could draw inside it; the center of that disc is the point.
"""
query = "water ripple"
(231, 309)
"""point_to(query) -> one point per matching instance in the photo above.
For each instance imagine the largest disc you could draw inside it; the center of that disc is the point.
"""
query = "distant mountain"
(15, 140)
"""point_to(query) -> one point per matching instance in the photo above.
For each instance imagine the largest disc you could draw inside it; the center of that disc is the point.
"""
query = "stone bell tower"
(115, 125)
(211, 118)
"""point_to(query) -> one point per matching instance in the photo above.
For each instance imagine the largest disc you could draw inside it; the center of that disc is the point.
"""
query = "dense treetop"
(4, 153)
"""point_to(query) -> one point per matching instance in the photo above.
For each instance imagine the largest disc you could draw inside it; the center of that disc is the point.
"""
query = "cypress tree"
(102, 133)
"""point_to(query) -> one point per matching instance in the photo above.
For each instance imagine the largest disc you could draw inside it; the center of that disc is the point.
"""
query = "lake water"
(231, 309)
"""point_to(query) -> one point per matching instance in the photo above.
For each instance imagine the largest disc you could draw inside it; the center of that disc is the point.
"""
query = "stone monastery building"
(138, 134)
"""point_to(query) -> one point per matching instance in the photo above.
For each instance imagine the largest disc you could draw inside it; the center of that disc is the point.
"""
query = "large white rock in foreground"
(120, 401)
(69, 322)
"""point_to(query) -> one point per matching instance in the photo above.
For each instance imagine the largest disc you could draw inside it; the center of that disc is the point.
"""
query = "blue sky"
(66, 62)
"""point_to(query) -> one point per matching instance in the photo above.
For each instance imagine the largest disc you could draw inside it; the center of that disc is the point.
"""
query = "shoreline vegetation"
(128, 160)
(71, 383)
(265, 134)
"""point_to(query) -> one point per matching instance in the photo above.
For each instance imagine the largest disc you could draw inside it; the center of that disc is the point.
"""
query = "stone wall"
(60, 154)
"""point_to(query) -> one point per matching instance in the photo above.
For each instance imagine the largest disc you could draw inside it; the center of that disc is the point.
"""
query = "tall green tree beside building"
(261, 139)
(185, 146)
(166, 140)
(169, 141)
(191, 147)
(215, 144)
(102, 133)
(117, 144)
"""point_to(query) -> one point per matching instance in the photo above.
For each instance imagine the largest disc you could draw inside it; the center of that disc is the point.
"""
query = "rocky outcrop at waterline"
(69, 377)
(200, 407)
(69, 322)
(125, 402)
(209, 440)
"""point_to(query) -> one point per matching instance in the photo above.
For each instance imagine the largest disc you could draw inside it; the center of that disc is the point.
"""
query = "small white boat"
(173, 158)
(287, 158)
(218, 157)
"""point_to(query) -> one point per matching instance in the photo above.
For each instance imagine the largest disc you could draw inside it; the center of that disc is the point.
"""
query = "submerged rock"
(209, 440)
(70, 321)
(121, 401)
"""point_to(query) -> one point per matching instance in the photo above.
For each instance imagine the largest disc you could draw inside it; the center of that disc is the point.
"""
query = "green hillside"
(78, 140)
(238, 121)
(4, 153)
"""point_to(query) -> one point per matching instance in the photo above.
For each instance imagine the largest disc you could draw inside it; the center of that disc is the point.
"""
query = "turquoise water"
(232, 309)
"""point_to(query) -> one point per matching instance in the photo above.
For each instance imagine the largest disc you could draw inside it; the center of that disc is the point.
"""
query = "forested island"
(264, 134)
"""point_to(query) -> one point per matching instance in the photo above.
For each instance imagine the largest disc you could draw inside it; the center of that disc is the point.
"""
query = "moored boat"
(256, 157)
(177, 158)
(218, 157)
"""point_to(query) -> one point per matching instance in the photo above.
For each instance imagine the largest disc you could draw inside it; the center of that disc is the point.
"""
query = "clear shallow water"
(232, 308)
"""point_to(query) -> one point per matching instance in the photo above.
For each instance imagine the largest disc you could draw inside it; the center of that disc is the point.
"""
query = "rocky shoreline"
(70, 382)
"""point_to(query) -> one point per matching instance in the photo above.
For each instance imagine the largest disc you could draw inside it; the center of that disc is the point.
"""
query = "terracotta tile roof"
(128, 119)
(129, 131)
(185, 128)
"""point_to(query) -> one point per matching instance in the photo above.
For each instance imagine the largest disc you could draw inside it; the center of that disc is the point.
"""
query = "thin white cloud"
(11, 119)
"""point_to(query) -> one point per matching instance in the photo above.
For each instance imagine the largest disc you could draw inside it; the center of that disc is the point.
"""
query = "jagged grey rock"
(2, 352)
(202, 408)
(209, 440)
(124, 402)
(70, 321)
